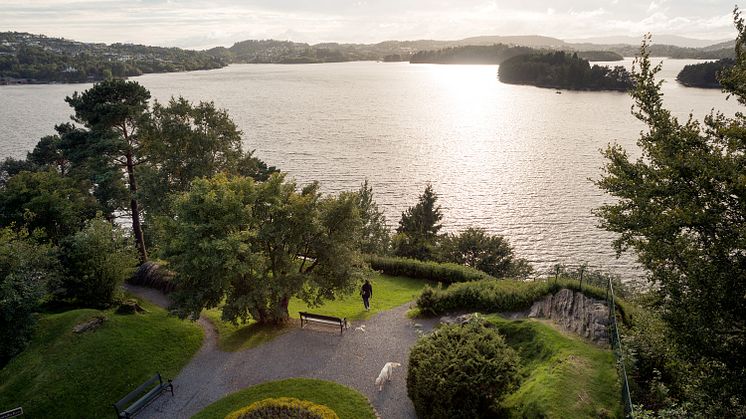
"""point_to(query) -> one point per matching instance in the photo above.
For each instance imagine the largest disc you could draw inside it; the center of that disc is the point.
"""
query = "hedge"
(283, 408)
(493, 296)
(445, 273)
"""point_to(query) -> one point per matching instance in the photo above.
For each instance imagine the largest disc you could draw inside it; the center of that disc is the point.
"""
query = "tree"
(96, 262)
(114, 110)
(681, 207)
(45, 201)
(375, 233)
(256, 245)
(183, 142)
(418, 228)
(491, 254)
(27, 270)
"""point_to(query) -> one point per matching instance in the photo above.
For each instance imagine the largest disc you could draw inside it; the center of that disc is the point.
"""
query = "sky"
(203, 24)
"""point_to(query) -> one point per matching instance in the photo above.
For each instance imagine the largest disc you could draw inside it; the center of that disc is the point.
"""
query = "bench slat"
(142, 399)
(139, 390)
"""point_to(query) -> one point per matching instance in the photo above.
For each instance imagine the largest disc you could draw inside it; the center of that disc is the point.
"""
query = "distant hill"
(30, 58)
(704, 75)
(673, 40)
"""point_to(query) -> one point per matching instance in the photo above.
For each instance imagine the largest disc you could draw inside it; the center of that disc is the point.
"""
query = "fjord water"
(515, 160)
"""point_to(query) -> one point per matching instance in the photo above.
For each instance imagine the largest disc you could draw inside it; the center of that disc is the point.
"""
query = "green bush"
(96, 261)
(153, 275)
(445, 273)
(461, 371)
(493, 296)
(283, 408)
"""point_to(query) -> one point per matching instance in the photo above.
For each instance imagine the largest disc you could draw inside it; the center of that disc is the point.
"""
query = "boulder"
(91, 324)
(576, 313)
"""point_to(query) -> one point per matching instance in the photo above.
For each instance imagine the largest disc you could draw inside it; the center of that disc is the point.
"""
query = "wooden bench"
(319, 318)
(146, 393)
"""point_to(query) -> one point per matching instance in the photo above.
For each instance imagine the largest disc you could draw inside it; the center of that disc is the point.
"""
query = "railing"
(616, 345)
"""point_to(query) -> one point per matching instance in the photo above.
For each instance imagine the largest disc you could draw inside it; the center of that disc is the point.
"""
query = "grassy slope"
(346, 403)
(65, 375)
(388, 292)
(564, 376)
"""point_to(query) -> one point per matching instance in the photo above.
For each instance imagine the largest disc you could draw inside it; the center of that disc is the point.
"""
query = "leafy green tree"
(46, 201)
(27, 270)
(491, 254)
(681, 207)
(183, 142)
(375, 233)
(256, 245)
(115, 110)
(96, 262)
(418, 228)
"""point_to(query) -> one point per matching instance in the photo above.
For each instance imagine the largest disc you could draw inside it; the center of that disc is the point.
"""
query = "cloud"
(199, 24)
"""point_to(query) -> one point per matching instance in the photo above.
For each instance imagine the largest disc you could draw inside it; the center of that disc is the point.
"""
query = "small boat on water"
(557, 92)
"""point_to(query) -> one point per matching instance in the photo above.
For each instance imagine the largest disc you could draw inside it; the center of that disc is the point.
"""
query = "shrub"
(446, 273)
(461, 371)
(283, 408)
(96, 261)
(153, 275)
(494, 296)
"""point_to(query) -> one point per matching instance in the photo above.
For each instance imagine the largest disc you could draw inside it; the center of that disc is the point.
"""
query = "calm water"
(513, 159)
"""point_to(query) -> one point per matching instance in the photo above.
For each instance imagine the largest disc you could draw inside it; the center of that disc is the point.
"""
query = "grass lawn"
(346, 402)
(66, 375)
(564, 376)
(388, 292)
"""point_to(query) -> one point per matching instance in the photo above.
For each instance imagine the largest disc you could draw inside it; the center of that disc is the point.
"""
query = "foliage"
(445, 273)
(704, 74)
(681, 207)
(561, 70)
(491, 254)
(153, 275)
(43, 59)
(494, 296)
(418, 228)
(256, 245)
(71, 375)
(344, 401)
(389, 292)
(461, 371)
(45, 201)
(26, 273)
(115, 110)
(185, 141)
(563, 375)
(375, 232)
(470, 54)
(96, 262)
(283, 408)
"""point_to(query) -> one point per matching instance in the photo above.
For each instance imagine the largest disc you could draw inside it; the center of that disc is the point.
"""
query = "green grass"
(66, 375)
(388, 292)
(346, 402)
(564, 376)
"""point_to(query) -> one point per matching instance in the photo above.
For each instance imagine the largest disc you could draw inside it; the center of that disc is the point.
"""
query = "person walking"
(366, 292)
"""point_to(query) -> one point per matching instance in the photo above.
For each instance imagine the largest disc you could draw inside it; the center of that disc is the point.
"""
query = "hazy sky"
(203, 24)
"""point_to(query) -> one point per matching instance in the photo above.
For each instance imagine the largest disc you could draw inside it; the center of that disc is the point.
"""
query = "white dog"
(385, 374)
(360, 328)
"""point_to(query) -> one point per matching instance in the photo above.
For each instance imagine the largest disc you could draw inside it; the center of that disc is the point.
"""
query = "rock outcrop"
(576, 313)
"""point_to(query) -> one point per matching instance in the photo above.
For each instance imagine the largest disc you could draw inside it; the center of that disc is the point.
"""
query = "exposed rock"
(576, 313)
(92, 324)
(463, 319)
(130, 307)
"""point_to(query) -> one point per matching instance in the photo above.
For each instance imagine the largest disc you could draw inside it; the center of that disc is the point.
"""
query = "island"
(560, 70)
(704, 75)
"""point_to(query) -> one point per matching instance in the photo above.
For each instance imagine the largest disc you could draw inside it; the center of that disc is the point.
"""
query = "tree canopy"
(681, 207)
(491, 254)
(418, 228)
(253, 246)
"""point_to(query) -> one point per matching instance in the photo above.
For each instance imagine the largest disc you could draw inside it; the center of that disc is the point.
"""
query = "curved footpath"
(353, 359)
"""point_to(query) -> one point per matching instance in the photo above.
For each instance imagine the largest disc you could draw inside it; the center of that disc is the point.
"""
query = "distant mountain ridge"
(673, 40)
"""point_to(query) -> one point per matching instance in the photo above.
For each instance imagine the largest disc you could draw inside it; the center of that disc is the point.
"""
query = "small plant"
(461, 371)
(283, 408)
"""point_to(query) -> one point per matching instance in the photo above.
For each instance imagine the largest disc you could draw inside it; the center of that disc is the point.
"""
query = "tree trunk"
(136, 227)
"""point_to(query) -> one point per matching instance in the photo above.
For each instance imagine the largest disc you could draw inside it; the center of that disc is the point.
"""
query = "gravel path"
(353, 359)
